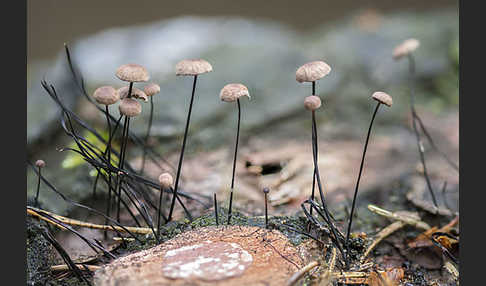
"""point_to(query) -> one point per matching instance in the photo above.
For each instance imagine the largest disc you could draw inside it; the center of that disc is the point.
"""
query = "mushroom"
(128, 108)
(381, 98)
(187, 68)
(39, 164)
(106, 95)
(165, 181)
(231, 93)
(150, 90)
(406, 49)
(311, 72)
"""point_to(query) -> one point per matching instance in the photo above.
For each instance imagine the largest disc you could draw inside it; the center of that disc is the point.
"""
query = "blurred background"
(260, 44)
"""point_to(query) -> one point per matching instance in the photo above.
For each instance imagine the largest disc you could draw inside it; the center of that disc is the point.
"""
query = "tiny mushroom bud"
(405, 48)
(130, 107)
(166, 180)
(132, 73)
(312, 71)
(312, 102)
(40, 163)
(106, 95)
(193, 67)
(151, 89)
(383, 98)
(266, 190)
(233, 91)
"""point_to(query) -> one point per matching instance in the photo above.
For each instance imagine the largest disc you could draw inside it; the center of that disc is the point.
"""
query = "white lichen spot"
(209, 261)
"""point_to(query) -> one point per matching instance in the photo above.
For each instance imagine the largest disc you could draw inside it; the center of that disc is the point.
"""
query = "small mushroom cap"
(136, 93)
(312, 102)
(405, 48)
(193, 67)
(312, 71)
(132, 73)
(151, 89)
(266, 190)
(166, 180)
(130, 107)
(40, 163)
(106, 95)
(231, 92)
(383, 98)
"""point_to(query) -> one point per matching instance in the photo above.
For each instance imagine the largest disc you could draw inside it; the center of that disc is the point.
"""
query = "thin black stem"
(160, 212)
(266, 211)
(108, 151)
(359, 174)
(234, 162)
(319, 184)
(126, 125)
(411, 62)
(182, 151)
(148, 132)
(314, 138)
(434, 146)
(216, 209)
(38, 189)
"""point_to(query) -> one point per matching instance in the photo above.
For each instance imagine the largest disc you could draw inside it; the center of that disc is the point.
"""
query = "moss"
(40, 255)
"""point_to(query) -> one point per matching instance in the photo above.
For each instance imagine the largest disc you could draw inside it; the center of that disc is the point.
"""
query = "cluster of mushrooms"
(130, 107)
(128, 98)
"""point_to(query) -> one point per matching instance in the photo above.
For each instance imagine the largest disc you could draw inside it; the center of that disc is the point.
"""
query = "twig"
(138, 230)
(65, 267)
(299, 274)
(382, 235)
(405, 217)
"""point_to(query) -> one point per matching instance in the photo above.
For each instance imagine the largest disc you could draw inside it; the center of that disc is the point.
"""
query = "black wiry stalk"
(234, 162)
(148, 132)
(182, 151)
(38, 188)
(359, 174)
(411, 62)
(216, 209)
(126, 126)
(313, 135)
(159, 212)
(265, 191)
(317, 176)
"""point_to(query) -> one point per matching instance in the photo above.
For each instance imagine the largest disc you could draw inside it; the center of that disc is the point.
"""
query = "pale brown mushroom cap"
(405, 48)
(383, 98)
(312, 71)
(312, 102)
(193, 67)
(130, 107)
(136, 93)
(132, 73)
(40, 163)
(166, 180)
(151, 89)
(231, 92)
(106, 95)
